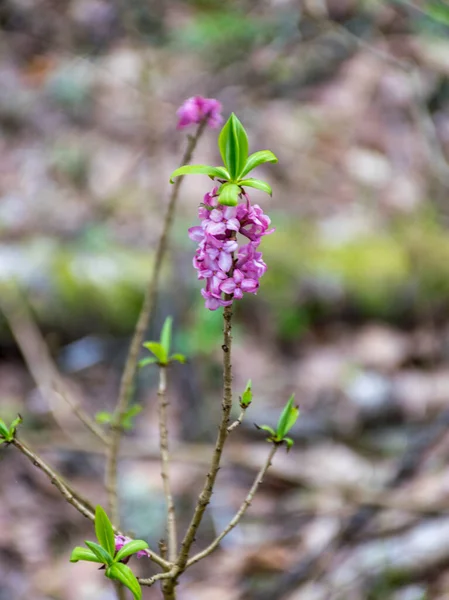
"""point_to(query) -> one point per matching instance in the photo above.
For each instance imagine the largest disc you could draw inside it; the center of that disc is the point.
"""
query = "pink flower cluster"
(121, 540)
(194, 109)
(227, 267)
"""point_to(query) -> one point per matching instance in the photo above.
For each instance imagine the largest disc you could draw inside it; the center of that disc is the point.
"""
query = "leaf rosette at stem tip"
(161, 349)
(112, 553)
(287, 419)
(7, 434)
(233, 176)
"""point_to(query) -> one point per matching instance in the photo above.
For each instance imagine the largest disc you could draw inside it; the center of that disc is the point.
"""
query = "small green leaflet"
(256, 159)
(213, 172)
(131, 548)
(247, 395)
(104, 531)
(80, 553)
(122, 573)
(233, 146)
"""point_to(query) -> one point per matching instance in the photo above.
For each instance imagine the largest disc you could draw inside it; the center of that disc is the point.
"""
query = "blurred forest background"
(352, 315)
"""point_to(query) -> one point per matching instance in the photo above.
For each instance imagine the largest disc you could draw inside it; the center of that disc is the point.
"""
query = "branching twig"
(163, 441)
(246, 504)
(238, 421)
(72, 497)
(152, 580)
(206, 493)
(136, 342)
(37, 357)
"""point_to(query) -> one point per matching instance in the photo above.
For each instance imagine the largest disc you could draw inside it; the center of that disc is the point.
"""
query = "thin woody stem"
(73, 497)
(207, 491)
(136, 342)
(152, 580)
(238, 421)
(165, 459)
(243, 508)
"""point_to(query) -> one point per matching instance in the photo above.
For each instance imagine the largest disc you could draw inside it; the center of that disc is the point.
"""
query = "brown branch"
(72, 497)
(165, 459)
(243, 508)
(37, 357)
(238, 421)
(136, 342)
(207, 491)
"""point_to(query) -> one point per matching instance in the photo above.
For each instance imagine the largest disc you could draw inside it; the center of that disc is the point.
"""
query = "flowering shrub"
(229, 261)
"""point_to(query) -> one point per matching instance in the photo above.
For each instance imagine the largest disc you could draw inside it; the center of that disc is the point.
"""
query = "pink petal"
(215, 228)
(216, 215)
(225, 261)
(196, 234)
(238, 276)
(249, 285)
(228, 286)
(233, 224)
(238, 294)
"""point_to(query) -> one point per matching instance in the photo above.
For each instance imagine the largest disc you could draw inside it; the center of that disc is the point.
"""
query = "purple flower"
(196, 108)
(121, 540)
(226, 267)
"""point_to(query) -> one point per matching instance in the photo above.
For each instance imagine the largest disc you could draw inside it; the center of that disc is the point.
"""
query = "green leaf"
(103, 555)
(103, 417)
(287, 419)
(228, 194)
(80, 553)
(14, 425)
(258, 184)
(292, 418)
(104, 530)
(247, 395)
(289, 442)
(179, 357)
(256, 159)
(166, 335)
(127, 421)
(122, 573)
(151, 360)
(4, 431)
(130, 548)
(158, 351)
(267, 428)
(233, 145)
(217, 172)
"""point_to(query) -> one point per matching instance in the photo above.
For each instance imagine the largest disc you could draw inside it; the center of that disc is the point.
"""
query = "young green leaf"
(256, 159)
(130, 548)
(150, 360)
(258, 184)
(104, 531)
(247, 395)
(233, 145)
(228, 194)
(267, 428)
(178, 357)
(4, 431)
(285, 418)
(292, 418)
(14, 425)
(103, 417)
(127, 421)
(122, 573)
(158, 351)
(103, 555)
(212, 172)
(166, 335)
(289, 443)
(80, 553)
